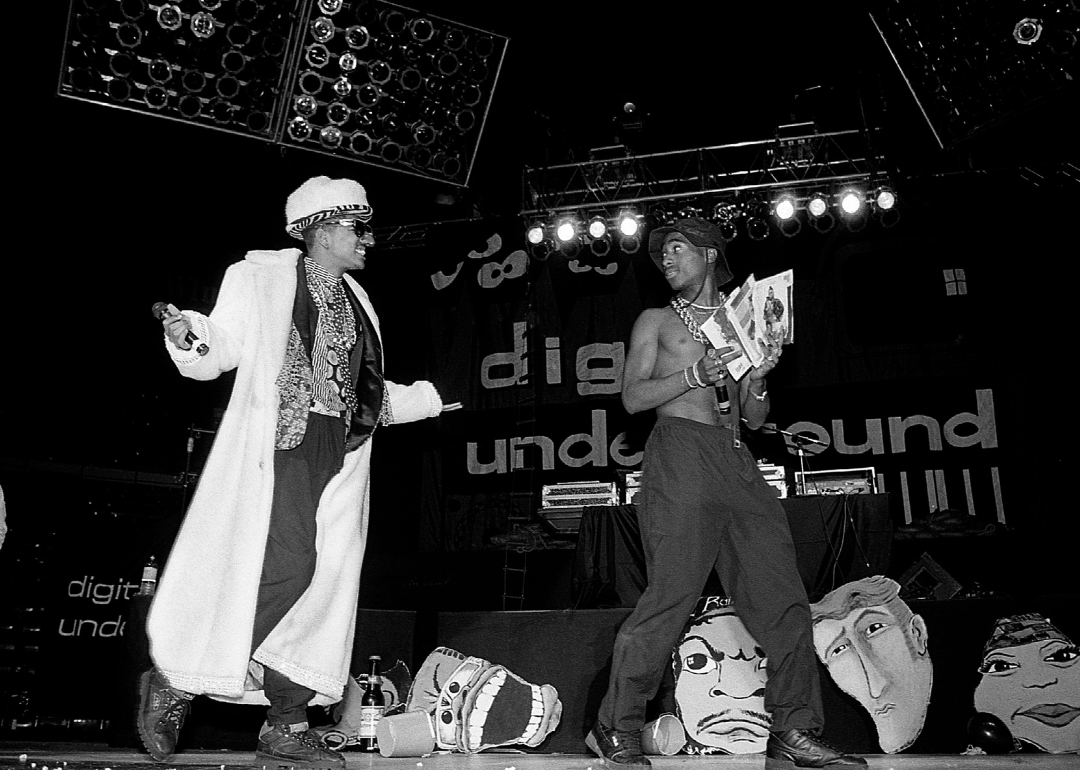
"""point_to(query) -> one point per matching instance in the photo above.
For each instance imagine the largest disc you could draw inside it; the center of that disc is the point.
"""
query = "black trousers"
(300, 475)
(704, 505)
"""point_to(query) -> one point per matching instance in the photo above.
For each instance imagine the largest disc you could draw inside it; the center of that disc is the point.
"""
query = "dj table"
(838, 538)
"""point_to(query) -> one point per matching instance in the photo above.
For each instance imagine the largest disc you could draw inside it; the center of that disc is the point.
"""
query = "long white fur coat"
(200, 624)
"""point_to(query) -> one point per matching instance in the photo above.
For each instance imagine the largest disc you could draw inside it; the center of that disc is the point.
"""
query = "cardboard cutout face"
(1033, 686)
(720, 683)
(875, 650)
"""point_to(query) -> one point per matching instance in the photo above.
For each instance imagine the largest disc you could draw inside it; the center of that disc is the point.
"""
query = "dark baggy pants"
(300, 475)
(704, 505)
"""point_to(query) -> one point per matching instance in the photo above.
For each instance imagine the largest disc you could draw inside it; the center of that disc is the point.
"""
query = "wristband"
(764, 393)
(686, 376)
(697, 378)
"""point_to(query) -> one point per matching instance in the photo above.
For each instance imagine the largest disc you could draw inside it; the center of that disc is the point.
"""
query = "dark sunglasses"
(355, 225)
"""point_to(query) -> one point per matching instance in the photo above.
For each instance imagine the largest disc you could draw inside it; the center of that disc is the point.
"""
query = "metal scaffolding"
(797, 159)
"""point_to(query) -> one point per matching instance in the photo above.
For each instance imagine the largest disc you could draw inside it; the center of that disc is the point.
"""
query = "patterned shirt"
(335, 337)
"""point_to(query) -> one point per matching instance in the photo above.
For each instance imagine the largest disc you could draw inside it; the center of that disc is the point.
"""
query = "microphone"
(161, 311)
(723, 402)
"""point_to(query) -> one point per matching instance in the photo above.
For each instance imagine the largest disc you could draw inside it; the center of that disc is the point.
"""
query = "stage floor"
(66, 756)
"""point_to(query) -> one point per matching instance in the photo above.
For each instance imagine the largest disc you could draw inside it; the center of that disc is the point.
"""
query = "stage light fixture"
(629, 224)
(757, 228)
(784, 207)
(757, 208)
(823, 223)
(1027, 31)
(659, 216)
(817, 205)
(597, 227)
(566, 229)
(726, 211)
(600, 246)
(851, 201)
(542, 250)
(535, 234)
(885, 210)
(789, 228)
(884, 198)
(728, 230)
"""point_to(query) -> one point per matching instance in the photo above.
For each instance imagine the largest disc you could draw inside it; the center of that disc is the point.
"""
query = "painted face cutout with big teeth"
(475, 704)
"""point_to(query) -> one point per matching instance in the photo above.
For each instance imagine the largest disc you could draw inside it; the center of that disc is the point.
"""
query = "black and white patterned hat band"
(296, 229)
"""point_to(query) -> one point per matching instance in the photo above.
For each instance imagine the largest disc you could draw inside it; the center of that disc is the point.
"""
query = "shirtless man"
(704, 505)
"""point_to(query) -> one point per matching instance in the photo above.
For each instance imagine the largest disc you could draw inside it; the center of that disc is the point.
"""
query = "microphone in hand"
(161, 311)
(723, 401)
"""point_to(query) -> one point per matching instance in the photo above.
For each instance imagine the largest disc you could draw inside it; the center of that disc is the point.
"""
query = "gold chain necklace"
(682, 309)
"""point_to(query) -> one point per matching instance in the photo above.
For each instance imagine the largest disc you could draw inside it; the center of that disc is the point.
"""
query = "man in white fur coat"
(257, 603)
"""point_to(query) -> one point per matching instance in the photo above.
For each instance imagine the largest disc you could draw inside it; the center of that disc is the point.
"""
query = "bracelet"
(697, 378)
(686, 376)
(764, 393)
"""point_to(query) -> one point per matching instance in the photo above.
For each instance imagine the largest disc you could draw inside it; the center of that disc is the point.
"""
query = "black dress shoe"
(801, 748)
(617, 748)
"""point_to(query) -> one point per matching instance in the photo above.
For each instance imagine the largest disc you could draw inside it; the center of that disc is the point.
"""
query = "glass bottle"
(372, 706)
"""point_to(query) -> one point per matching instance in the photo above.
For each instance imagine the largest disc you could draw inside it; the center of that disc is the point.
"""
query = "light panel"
(218, 65)
(368, 81)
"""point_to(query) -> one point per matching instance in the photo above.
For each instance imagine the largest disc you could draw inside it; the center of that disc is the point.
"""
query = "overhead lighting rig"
(757, 187)
(367, 80)
(971, 64)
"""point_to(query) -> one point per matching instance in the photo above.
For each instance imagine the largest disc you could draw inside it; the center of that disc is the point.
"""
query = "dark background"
(110, 211)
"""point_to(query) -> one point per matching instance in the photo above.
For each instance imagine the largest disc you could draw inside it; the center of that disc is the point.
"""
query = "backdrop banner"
(535, 350)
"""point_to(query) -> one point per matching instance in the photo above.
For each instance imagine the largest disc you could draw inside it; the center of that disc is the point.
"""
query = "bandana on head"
(1015, 630)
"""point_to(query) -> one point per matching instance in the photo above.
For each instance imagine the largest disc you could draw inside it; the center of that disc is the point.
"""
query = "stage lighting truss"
(368, 81)
(683, 178)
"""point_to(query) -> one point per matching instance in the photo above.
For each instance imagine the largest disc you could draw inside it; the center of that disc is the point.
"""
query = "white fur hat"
(321, 198)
